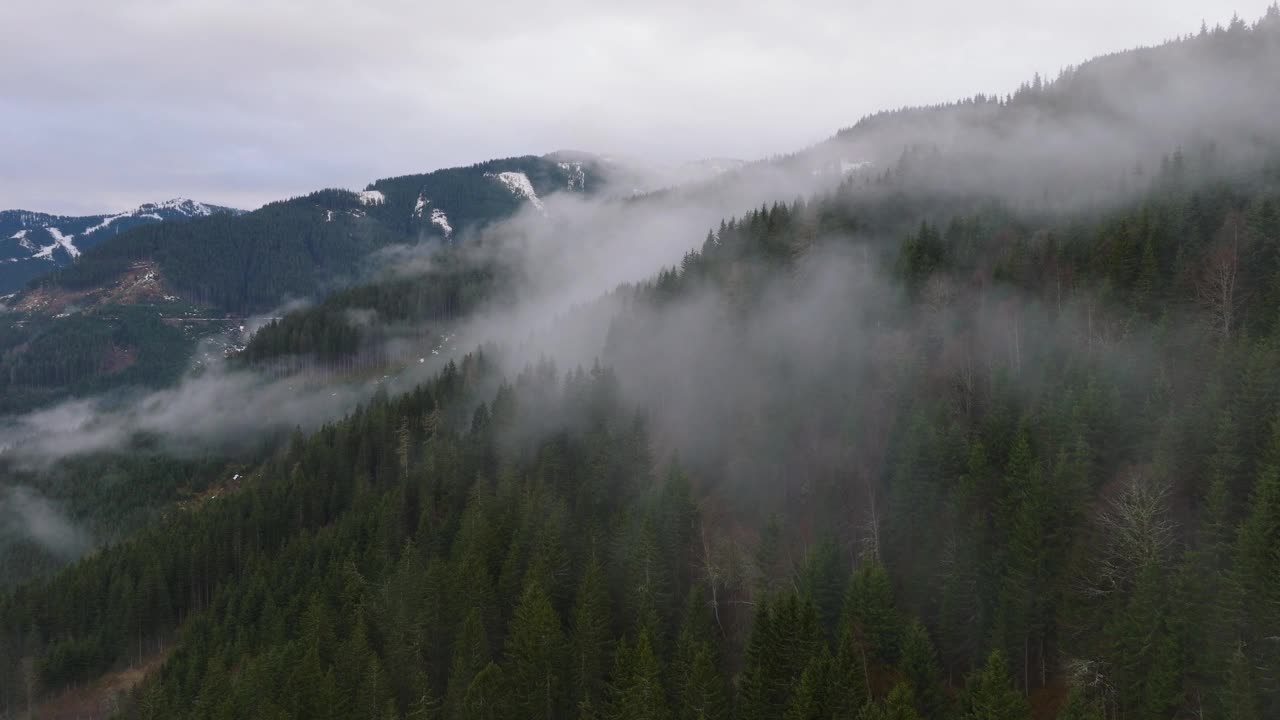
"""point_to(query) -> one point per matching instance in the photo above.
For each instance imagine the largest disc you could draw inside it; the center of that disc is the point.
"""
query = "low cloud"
(26, 514)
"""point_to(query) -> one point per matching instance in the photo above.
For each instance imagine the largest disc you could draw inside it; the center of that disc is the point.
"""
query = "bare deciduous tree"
(1135, 530)
(1218, 286)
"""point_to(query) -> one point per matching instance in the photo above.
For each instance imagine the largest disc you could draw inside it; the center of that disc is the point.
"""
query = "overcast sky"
(105, 104)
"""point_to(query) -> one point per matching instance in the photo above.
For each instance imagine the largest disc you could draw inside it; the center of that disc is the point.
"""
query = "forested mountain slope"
(130, 310)
(295, 248)
(904, 449)
(1087, 538)
(1084, 135)
(33, 243)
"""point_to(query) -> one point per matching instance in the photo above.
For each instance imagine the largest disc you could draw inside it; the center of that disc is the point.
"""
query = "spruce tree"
(919, 666)
(485, 697)
(1078, 706)
(990, 694)
(470, 656)
(589, 636)
(535, 654)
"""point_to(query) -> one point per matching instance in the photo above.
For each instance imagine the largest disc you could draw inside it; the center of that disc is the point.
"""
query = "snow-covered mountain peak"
(180, 205)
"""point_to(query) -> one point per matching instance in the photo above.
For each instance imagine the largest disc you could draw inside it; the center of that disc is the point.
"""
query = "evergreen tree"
(637, 691)
(990, 694)
(1078, 706)
(535, 655)
(1239, 698)
(470, 656)
(897, 706)
(809, 699)
(486, 697)
(919, 666)
(589, 635)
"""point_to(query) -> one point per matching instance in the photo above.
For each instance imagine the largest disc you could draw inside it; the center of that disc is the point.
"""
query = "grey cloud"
(581, 250)
(29, 515)
(107, 105)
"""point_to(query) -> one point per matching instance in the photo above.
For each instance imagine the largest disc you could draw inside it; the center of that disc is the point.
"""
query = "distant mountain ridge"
(250, 262)
(34, 243)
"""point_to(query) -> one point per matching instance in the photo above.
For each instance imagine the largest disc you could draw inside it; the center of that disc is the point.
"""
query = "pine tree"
(1207, 613)
(1240, 696)
(1146, 653)
(373, 692)
(1078, 706)
(870, 616)
(850, 677)
(1257, 568)
(919, 665)
(756, 697)
(589, 635)
(1028, 523)
(699, 688)
(897, 706)
(824, 578)
(535, 655)
(990, 694)
(485, 697)
(703, 694)
(426, 706)
(809, 699)
(470, 656)
(637, 686)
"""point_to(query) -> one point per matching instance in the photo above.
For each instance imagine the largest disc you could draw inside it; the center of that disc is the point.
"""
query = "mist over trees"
(944, 441)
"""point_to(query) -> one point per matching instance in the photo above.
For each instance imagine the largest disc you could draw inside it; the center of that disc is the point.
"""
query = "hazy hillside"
(202, 277)
(976, 416)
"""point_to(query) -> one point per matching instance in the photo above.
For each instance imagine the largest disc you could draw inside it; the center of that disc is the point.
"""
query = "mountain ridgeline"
(33, 244)
(945, 440)
(296, 248)
(134, 296)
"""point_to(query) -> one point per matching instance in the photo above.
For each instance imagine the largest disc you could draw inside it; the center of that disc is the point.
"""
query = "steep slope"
(33, 244)
(458, 542)
(904, 449)
(1096, 132)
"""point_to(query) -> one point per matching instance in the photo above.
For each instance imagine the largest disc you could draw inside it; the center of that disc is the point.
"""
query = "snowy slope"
(33, 243)
(518, 183)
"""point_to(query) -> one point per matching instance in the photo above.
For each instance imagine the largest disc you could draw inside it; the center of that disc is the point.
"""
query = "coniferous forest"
(898, 449)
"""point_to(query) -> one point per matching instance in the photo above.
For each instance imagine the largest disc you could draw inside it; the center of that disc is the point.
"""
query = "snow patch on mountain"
(21, 237)
(577, 176)
(518, 183)
(418, 206)
(59, 240)
(371, 197)
(64, 241)
(151, 211)
(181, 205)
(73, 234)
(106, 222)
(439, 219)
